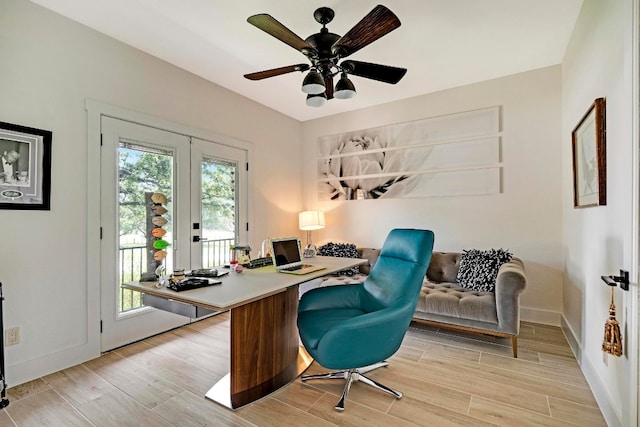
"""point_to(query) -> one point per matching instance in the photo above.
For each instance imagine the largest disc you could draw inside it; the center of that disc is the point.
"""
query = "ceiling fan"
(325, 50)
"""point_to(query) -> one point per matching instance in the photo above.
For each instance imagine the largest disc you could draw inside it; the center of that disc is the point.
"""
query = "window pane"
(218, 210)
(142, 171)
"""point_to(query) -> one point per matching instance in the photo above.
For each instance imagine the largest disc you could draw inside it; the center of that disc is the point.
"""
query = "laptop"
(286, 257)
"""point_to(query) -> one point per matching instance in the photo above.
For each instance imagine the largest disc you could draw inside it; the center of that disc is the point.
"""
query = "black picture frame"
(588, 147)
(25, 167)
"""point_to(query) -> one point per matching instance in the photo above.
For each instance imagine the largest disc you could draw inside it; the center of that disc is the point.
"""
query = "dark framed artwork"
(25, 167)
(588, 141)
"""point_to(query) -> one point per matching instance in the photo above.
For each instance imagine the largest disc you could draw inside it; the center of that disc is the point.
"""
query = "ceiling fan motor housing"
(322, 43)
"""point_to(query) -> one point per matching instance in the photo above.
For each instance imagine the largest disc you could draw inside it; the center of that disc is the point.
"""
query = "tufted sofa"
(444, 303)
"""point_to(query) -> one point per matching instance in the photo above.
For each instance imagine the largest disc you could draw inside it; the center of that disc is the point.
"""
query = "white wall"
(526, 218)
(50, 65)
(599, 240)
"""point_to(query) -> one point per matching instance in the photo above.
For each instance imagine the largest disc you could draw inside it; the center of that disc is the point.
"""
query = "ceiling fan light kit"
(325, 50)
(344, 88)
(313, 83)
(317, 100)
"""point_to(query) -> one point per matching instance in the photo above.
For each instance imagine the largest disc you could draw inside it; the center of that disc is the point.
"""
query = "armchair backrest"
(399, 271)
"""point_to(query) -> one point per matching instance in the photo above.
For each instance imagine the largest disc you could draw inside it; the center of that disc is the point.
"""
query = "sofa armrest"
(510, 283)
(371, 255)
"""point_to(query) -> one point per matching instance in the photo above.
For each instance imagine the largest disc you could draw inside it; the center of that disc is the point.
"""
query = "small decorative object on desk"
(163, 277)
(259, 262)
(178, 274)
(235, 267)
(204, 272)
(310, 251)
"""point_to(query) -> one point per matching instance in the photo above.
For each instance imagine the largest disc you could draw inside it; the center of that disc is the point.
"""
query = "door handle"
(196, 239)
(623, 279)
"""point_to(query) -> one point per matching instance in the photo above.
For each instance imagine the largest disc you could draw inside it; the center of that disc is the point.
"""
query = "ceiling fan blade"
(270, 25)
(381, 73)
(276, 71)
(379, 22)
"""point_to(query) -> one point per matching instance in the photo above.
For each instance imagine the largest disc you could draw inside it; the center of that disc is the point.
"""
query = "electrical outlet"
(12, 336)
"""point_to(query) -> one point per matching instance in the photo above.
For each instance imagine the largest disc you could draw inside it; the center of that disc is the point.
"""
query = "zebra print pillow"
(343, 250)
(479, 269)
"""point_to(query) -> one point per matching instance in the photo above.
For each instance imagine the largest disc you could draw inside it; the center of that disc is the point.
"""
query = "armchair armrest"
(331, 297)
(510, 283)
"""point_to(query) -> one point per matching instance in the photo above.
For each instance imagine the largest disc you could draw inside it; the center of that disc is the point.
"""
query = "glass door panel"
(218, 211)
(142, 172)
(220, 206)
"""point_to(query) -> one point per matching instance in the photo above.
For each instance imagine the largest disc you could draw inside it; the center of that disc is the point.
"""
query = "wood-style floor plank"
(27, 389)
(356, 414)
(272, 412)
(508, 416)
(575, 413)
(428, 415)
(5, 420)
(188, 410)
(144, 385)
(79, 384)
(448, 378)
(46, 408)
(118, 409)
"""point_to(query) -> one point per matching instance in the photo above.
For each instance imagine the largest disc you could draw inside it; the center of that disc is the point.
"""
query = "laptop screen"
(285, 251)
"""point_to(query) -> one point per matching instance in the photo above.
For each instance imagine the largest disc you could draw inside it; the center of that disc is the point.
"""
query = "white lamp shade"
(311, 220)
(316, 100)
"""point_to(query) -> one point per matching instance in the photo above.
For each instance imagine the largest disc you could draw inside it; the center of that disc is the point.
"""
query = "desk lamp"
(309, 221)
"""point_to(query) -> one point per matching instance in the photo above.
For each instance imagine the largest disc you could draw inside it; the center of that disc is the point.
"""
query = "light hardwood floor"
(448, 379)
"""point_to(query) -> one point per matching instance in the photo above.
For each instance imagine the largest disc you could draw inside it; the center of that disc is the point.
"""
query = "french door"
(205, 190)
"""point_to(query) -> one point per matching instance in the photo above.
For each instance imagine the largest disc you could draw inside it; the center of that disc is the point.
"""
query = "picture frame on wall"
(25, 167)
(588, 142)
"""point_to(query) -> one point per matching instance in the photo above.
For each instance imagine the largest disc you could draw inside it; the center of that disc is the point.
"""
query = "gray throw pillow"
(479, 269)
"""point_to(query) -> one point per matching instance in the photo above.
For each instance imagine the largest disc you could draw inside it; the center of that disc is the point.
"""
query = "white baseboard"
(535, 315)
(29, 370)
(597, 388)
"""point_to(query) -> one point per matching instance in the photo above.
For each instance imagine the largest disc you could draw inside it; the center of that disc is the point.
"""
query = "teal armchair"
(355, 328)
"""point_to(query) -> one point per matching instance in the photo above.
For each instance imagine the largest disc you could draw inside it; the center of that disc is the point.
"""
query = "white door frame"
(633, 349)
(95, 111)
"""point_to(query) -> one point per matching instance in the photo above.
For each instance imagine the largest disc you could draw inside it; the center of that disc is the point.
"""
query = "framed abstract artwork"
(456, 154)
(588, 146)
(25, 167)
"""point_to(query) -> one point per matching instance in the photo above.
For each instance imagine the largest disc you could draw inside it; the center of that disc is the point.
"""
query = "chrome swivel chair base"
(351, 376)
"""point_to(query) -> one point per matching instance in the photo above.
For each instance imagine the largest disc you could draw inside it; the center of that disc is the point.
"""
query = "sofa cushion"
(449, 299)
(479, 269)
(444, 267)
(343, 250)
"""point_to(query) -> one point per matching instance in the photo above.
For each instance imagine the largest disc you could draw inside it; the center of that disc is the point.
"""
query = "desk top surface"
(252, 284)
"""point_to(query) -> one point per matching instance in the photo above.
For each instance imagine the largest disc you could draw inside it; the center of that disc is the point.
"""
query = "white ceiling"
(442, 43)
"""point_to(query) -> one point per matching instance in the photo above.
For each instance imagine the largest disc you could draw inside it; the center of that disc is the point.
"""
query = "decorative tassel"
(612, 339)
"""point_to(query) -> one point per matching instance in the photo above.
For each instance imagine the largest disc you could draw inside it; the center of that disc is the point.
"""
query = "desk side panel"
(264, 346)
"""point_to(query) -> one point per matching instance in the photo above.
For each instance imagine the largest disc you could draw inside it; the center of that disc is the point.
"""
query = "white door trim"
(633, 349)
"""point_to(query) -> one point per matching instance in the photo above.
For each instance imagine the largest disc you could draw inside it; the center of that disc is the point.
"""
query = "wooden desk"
(265, 347)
